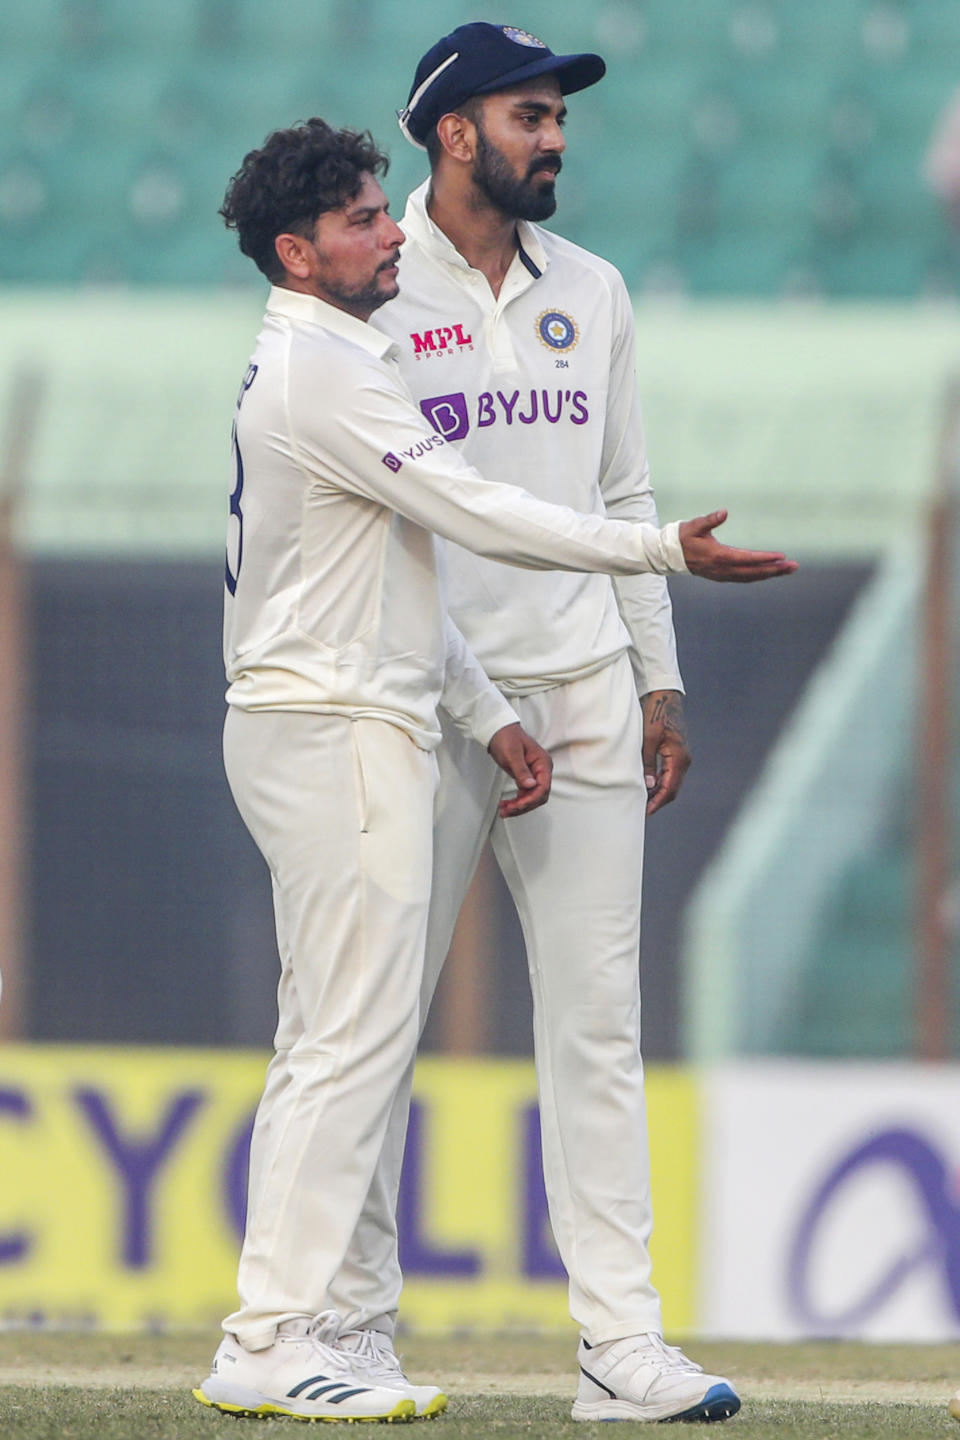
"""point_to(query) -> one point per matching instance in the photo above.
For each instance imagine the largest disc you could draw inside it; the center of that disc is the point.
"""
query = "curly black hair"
(294, 178)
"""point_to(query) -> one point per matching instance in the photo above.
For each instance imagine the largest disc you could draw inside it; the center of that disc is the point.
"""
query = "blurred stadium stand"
(752, 150)
(736, 147)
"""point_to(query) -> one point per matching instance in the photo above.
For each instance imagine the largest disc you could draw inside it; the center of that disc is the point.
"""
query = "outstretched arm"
(342, 444)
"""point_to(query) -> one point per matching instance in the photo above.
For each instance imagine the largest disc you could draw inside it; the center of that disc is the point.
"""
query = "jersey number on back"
(235, 531)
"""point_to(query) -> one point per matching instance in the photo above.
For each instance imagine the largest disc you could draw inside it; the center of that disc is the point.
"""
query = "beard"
(520, 199)
(369, 296)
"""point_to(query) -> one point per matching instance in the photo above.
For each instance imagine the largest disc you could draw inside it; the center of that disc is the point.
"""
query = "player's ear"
(458, 136)
(294, 256)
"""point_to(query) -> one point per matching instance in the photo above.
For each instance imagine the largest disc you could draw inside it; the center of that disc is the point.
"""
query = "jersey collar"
(311, 310)
(418, 225)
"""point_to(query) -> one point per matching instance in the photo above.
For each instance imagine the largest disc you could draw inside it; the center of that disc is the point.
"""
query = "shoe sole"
(719, 1403)
(404, 1410)
(436, 1407)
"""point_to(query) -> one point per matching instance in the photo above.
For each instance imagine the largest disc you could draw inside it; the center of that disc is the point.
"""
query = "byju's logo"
(445, 340)
(448, 415)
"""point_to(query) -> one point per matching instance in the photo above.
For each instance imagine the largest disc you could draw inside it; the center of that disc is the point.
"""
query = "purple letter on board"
(137, 1162)
(417, 1255)
(236, 1174)
(14, 1246)
(539, 1255)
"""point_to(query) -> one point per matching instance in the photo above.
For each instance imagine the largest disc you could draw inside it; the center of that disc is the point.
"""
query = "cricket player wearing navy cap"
(338, 653)
(518, 346)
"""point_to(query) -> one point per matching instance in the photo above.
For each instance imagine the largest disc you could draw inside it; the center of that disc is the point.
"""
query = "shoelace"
(323, 1330)
(662, 1357)
(373, 1350)
(681, 1361)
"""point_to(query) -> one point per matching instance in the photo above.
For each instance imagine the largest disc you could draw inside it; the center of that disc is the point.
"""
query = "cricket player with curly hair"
(338, 655)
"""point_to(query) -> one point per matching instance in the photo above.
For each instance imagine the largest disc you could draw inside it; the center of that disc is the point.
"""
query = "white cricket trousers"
(574, 869)
(342, 811)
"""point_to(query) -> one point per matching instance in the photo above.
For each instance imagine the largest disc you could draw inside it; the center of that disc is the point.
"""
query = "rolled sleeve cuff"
(672, 549)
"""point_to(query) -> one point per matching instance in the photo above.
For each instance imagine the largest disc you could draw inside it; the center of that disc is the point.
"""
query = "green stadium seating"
(31, 28)
(731, 141)
(937, 28)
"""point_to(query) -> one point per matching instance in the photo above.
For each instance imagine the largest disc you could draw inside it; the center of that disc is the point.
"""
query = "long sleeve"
(625, 485)
(368, 438)
(469, 697)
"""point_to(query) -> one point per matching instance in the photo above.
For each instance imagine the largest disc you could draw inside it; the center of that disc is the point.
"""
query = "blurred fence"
(148, 913)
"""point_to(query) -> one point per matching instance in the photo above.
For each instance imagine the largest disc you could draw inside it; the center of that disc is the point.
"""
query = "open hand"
(706, 557)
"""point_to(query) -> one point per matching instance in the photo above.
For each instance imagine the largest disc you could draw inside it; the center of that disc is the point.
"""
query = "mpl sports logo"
(450, 414)
(444, 340)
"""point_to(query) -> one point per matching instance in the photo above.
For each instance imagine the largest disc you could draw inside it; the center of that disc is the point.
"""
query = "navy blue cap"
(478, 59)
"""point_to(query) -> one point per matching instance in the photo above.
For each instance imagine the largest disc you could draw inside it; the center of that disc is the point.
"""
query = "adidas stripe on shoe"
(372, 1354)
(300, 1376)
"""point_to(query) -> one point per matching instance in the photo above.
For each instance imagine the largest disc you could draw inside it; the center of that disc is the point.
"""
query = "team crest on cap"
(523, 37)
(556, 330)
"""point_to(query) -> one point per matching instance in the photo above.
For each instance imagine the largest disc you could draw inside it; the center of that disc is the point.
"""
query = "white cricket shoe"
(954, 1406)
(642, 1378)
(300, 1375)
(372, 1353)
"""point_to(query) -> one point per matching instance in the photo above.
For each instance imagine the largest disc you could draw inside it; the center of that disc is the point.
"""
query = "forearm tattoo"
(667, 711)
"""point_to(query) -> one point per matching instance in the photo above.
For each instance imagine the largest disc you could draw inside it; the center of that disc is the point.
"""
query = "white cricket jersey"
(536, 388)
(333, 602)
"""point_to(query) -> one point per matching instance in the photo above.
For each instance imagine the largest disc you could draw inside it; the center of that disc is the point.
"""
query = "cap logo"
(523, 37)
(557, 330)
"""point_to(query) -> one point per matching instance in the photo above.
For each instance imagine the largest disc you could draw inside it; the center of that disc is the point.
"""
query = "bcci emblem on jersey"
(556, 330)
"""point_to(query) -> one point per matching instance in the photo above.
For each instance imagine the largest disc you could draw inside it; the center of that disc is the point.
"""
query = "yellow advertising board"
(122, 1182)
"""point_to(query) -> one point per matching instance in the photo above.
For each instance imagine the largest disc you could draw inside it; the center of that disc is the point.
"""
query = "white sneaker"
(301, 1375)
(954, 1406)
(372, 1354)
(642, 1378)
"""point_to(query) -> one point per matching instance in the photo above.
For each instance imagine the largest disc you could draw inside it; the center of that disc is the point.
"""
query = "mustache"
(388, 263)
(547, 162)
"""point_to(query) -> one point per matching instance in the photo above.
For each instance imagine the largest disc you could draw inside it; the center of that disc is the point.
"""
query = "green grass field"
(121, 1387)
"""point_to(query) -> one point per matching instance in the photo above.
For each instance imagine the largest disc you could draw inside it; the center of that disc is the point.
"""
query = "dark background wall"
(149, 915)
